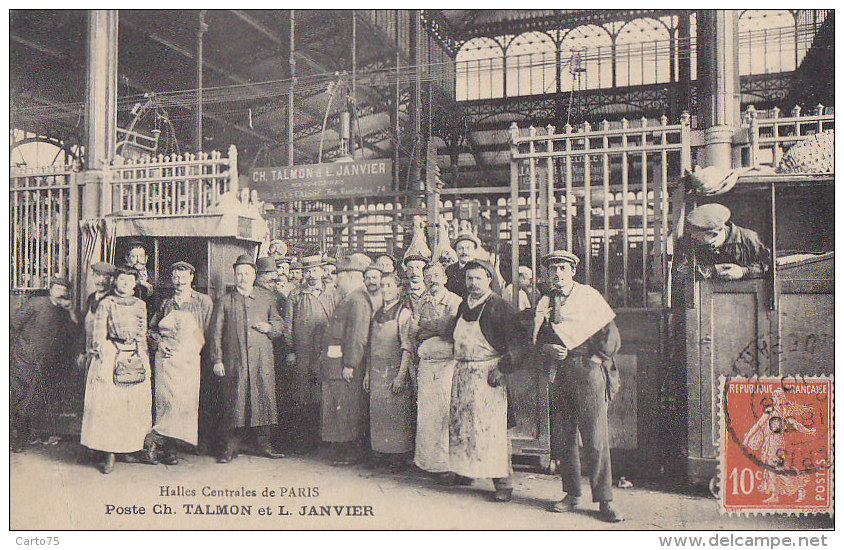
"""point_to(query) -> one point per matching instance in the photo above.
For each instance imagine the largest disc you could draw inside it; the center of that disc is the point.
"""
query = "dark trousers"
(234, 438)
(304, 426)
(579, 402)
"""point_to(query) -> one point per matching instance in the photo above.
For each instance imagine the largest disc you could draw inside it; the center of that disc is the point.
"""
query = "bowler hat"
(182, 265)
(265, 264)
(244, 259)
(560, 256)
(708, 216)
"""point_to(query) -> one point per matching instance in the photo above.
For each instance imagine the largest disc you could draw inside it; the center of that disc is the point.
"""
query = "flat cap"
(386, 262)
(63, 281)
(103, 267)
(483, 264)
(126, 269)
(374, 267)
(183, 265)
(355, 262)
(466, 237)
(265, 264)
(559, 256)
(708, 216)
(244, 259)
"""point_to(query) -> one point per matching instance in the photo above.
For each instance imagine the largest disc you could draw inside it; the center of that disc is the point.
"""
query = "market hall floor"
(51, 489)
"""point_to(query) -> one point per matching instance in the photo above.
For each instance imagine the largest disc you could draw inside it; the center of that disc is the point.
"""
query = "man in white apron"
(432, 320)
(488, 344)
(575, 330)
(178, 329)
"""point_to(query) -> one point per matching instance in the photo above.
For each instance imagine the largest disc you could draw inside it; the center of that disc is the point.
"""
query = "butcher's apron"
(435, 372)
(390, 414)
(177, 377)
(478, 444)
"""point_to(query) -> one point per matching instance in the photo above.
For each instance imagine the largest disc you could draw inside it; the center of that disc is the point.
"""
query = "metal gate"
(604, 195)
(43, 211)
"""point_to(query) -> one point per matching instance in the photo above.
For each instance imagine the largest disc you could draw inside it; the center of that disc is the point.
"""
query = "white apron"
(478, 444)
(434, 377)
(115, 419)
(177, 377)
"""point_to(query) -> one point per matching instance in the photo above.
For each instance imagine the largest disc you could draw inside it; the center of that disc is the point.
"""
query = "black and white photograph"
(422, 270)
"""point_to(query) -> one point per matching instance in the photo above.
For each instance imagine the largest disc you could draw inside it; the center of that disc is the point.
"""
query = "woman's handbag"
(128, 367)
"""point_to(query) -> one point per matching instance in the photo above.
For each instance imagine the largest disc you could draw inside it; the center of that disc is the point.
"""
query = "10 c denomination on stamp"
(776, 445)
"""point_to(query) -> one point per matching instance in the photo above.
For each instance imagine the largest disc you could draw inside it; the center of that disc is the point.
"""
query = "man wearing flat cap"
(342, 363)
(720, 249)
(177, 333)
(466, 245)
(488, 344)
(283, 284)
(42, 332)
(305, 318)
(575, 331)
(243, 325)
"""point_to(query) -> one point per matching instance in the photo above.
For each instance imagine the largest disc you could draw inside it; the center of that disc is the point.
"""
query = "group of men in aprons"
(390, 368)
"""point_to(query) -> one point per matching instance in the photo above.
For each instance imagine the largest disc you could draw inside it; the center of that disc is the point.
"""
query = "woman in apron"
(485, 337)
(390, 399)
(118, 399)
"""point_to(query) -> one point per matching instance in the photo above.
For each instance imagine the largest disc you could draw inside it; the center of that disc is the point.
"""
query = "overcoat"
(248, 387)
(343, 403)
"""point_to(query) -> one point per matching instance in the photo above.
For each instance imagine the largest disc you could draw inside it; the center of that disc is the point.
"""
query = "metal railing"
(44, 204)
(177, 185)
(606, 193)
(770, 134)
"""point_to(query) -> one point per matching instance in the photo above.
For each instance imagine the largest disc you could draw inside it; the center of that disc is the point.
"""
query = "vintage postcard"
(422, 269)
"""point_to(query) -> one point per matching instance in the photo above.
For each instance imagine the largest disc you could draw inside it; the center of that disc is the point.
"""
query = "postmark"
(776, 445)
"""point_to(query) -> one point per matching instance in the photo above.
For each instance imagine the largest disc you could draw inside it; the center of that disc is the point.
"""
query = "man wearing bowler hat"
(575, 331)
(266, 280)
(178, 332)
(243, 325)
(720, 249)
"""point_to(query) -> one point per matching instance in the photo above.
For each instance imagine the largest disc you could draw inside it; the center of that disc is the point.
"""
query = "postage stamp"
(776, 445)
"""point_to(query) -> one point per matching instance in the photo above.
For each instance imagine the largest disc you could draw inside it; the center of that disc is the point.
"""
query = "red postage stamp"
(776, 450)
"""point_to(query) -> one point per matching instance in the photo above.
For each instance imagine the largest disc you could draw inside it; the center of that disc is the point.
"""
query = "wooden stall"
(210, 242)
(781, 325)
